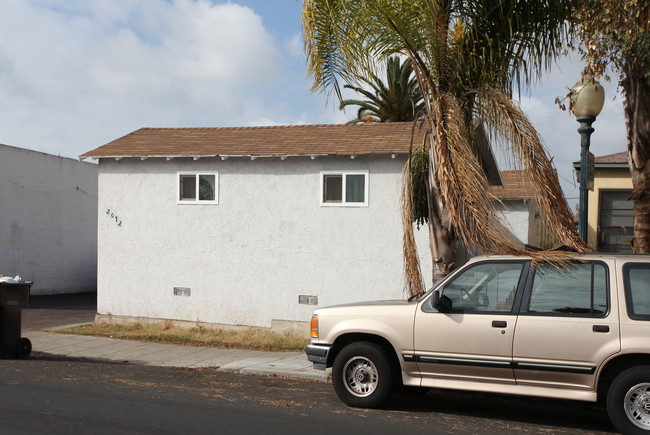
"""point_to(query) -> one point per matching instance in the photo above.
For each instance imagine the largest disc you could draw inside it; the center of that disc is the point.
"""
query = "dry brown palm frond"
(510, 124)
(464, 188)
(413, 283)
(464, 185)
(471, 208)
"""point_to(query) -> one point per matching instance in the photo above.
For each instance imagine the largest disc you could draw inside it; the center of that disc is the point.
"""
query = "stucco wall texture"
(247, 259)
(48, 221)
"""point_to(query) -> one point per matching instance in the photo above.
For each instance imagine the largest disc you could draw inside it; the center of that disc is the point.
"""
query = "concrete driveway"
(52, 311)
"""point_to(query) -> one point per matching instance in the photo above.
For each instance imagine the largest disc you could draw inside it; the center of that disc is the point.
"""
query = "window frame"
(628, 290)
(525, 304)
(197, 175)
(601, 229)
(344, 175)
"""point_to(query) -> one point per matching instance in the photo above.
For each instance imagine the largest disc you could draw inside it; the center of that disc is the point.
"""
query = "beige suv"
(500, 324)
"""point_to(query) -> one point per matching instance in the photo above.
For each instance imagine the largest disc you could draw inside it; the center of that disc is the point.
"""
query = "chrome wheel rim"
(637, 405)
(360, 376)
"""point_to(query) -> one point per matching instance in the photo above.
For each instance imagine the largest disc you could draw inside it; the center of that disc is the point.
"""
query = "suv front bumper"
(317, 354)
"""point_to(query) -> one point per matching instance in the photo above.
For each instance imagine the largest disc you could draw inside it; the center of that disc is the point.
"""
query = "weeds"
(253, 339)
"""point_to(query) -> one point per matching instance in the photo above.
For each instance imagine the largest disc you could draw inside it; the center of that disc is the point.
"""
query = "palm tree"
(397, 100)
(468, 56)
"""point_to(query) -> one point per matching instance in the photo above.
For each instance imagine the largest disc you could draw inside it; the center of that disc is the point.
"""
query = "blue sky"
(76, 74)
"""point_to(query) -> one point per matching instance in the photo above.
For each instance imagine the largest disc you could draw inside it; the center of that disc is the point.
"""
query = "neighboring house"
(521, 209)
(48, 221)
(610, 217)
(251, 226)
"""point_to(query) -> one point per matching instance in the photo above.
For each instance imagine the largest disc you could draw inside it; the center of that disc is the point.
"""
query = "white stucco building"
(48, 221)
(251, 226)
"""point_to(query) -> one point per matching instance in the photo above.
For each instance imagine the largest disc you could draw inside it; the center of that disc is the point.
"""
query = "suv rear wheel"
(362, 375)
(628, 401)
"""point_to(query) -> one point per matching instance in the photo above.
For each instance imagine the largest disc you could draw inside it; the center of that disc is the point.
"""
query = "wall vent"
(182, 291)
(308, 300)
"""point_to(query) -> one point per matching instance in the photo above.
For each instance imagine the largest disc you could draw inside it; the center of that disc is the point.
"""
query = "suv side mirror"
(441, 303)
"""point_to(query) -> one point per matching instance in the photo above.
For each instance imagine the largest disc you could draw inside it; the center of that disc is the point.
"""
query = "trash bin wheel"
(23, 348)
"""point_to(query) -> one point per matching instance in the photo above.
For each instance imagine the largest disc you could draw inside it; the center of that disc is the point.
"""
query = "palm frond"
(398, 99)
(413, 282)
(464, 189)
(509, 124)
(464, 186)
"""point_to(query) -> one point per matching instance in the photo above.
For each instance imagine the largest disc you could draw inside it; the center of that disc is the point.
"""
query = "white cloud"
(79, 73)
(227, 43)
(262, 122)
(295, 46)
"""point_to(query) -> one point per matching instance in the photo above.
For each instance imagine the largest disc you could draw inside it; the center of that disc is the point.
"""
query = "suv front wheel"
(628, 401)
(362, 375)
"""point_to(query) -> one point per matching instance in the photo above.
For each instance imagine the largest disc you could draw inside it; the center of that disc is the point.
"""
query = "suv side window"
(579, 289)
(636, 277)
(485, 287)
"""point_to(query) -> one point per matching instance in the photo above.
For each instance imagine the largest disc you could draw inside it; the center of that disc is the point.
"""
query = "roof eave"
(227, 156)
(625, 165)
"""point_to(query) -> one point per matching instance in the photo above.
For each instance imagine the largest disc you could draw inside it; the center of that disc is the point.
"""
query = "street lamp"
(587, 97)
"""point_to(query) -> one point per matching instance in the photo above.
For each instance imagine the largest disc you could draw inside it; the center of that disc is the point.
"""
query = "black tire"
(362, 375)
(628, 401)
(23, 348)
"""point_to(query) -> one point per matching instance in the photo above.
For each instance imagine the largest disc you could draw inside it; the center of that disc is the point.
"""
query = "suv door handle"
(499, 323)
(601, 328)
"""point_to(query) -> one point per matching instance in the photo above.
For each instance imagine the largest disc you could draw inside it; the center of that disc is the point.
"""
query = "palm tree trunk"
(442, 237)
(637, 112)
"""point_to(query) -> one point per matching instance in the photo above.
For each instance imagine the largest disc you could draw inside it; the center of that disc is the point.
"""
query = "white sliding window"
(344, 188)
(198, 187)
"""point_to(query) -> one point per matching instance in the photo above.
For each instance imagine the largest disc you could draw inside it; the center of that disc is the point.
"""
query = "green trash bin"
(13, 297)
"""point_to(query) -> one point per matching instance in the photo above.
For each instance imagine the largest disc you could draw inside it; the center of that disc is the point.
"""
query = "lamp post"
(588, 97)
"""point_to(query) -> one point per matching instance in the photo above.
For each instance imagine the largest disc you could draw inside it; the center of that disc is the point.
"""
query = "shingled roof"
(616, 158)
(341, 139)
(516, 185)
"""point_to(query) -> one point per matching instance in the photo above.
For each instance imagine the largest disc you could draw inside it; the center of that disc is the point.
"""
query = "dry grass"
(252, 339)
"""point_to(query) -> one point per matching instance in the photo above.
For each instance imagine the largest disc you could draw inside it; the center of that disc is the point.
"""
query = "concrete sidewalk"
(60, 311)
(289, 364)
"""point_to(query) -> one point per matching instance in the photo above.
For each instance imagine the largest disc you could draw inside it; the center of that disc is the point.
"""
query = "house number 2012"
(111, 214)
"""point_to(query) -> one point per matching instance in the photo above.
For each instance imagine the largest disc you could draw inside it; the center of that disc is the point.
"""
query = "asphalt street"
(60, 395)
